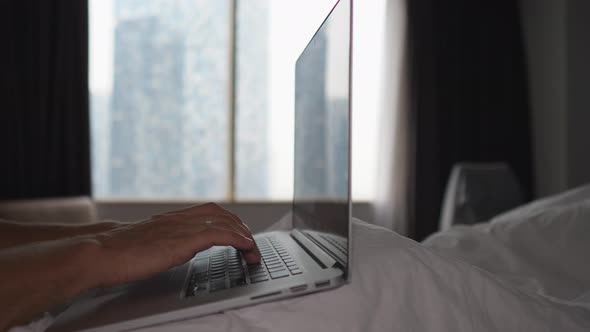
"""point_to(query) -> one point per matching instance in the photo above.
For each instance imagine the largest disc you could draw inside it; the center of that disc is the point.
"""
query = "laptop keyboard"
(221, 268)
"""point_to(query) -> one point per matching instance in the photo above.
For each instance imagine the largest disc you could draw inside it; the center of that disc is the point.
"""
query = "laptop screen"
(321, 203)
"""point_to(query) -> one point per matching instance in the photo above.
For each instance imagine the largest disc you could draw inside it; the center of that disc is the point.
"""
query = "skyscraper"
(147, 109)
(206, 96)
(169, 104)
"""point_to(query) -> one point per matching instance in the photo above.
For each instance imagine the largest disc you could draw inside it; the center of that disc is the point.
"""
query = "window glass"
(160, 121)
(160, 94)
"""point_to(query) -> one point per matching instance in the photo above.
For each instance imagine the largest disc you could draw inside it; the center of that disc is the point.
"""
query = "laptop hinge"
(316, 252)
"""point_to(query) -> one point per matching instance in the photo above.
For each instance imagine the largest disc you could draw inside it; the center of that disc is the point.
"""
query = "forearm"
(37, 277)
(14, 234)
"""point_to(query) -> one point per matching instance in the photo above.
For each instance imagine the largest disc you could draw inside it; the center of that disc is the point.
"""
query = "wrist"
(88, 229)
(88, 261)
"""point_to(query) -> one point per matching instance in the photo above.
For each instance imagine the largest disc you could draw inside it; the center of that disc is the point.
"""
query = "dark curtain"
(44, 124)
(469, 95)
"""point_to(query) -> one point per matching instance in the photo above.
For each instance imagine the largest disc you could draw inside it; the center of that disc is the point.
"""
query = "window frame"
(231, 149)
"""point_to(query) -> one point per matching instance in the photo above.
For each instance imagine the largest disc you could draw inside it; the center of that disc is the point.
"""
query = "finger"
(225, 220)
(238, 220)
(252, 257)
(239, 223)
(213, 209)
(244, 230)
(214, 212)
(191, 220)
(210, 209)
(202, 234)
(202, 217)
(220, 236)
(249, 252)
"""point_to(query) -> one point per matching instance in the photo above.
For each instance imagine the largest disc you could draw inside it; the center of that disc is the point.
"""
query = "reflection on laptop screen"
(321, 204)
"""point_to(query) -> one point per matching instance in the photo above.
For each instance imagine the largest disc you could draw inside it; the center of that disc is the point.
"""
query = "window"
(172, 119)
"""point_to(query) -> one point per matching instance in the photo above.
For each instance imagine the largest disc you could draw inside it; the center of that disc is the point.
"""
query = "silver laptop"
(311, 257)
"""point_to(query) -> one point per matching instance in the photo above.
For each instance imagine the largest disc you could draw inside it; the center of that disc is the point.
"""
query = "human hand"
(140, 250)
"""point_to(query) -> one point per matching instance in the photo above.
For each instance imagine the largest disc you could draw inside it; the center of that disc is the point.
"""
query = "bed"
(525, 270)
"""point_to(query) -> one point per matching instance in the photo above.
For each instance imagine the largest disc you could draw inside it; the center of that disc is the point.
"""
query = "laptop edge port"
(322, 283)
(299, 288)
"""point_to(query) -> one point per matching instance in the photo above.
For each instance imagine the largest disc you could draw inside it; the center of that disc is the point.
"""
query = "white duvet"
(525, 271)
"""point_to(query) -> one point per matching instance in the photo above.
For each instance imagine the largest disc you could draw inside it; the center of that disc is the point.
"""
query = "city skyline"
(287, 34)
(167, 116)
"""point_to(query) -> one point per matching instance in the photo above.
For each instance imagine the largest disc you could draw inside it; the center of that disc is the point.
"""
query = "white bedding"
(542, 248)
(523, 272)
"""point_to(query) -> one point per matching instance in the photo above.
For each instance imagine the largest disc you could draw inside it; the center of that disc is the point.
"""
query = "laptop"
(311, 257)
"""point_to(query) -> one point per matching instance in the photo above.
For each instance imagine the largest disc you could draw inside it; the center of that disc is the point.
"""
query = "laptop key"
(203, 254)
(258, 279)
(257, 274)
(217, 285)
(216, 273)
(296, 271)
(237, 282)
(279, 274)
(236, 275)
(217, 276)
(277, 268)
(260, 269)
(252, 272)
(201, 265)
(255, 267)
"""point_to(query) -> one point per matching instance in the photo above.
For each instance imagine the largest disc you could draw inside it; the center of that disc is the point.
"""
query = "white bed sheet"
(542, 248)
(450, 284)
